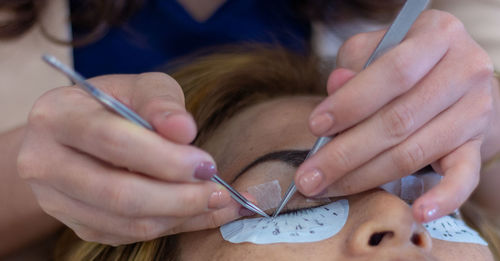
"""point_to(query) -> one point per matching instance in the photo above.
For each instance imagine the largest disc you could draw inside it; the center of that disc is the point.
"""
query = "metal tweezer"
(116, 106)
(397, 31)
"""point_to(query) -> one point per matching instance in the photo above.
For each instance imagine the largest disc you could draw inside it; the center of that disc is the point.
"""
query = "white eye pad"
(306, 225)
(454, 230)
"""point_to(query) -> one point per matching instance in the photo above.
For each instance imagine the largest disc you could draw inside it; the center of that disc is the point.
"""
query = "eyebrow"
(291, 157)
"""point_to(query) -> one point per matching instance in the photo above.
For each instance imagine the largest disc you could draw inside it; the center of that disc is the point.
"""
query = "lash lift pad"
(302, 226)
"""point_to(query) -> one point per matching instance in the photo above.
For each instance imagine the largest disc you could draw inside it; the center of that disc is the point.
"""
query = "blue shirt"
(163, 30)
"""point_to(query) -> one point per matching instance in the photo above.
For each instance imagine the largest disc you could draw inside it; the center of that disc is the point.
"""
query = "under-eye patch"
(452, 229)
(299, 226)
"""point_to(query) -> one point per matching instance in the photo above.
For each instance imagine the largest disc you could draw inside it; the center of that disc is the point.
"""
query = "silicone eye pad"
(307, 225)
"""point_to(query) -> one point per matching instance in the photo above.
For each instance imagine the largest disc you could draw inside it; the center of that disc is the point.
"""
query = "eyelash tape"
(411, 187)
(268, 195)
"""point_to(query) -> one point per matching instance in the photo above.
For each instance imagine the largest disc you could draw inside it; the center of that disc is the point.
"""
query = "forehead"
(270, 126)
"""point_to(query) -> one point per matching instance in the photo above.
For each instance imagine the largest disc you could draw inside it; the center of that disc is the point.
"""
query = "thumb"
(159, 99)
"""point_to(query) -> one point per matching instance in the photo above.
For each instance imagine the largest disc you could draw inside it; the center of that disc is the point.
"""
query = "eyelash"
(297, 211)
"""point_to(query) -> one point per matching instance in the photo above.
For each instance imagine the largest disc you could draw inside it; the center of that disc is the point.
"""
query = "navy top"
(163, 30)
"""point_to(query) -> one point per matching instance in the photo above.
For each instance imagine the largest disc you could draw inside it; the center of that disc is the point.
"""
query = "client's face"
(379, 226)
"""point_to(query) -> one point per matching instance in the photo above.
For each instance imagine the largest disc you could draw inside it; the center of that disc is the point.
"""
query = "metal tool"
(128, 114)
(394, 35)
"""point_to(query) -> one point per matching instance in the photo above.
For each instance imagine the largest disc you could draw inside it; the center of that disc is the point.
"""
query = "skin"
(77, 158)
(253, 133)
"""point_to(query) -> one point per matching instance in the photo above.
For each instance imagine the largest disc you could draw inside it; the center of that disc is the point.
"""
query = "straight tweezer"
(130, 115)
(394, 35)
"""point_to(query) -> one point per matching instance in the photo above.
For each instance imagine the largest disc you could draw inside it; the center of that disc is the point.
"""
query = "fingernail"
(244, 212)
(429, 213)
(310, 181)
(218, 199)
(205, 171)
(321, 123)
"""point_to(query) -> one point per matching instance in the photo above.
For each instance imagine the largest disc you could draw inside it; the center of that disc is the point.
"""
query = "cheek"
(445, 251)
(324, 250)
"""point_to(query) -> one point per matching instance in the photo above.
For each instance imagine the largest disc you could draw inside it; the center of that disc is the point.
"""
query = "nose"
(390, 230)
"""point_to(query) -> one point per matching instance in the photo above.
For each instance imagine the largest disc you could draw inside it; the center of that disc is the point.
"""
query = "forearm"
(21, 219)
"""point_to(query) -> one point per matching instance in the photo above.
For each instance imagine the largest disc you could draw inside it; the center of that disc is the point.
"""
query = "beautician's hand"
(112, 181)
(427, 101)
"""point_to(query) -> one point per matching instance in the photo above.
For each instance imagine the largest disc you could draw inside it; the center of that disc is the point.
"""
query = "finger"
(124, 144)
(393, 74)
(130, 194)
(446, 132)
(397, 120)
(157, 98)
(96, 225)
(338, 78)
(215, 218)
(461, 176)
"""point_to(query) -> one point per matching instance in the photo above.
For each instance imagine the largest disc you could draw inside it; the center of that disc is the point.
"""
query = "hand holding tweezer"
(394, 35)
(119, 108)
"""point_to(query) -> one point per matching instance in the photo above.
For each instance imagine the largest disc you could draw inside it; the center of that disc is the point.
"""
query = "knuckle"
(112, 142)
(401, 74)
(485, 107)
(408, 158)
(120, 199)
(213, 220)
(26, 164)
(481, 65)
(145, 230)
(349, 51)
(451, 24)
(445, 22)
(398, 122)
(346, 186)
(188, 202)
(41, 114)
(340, 157)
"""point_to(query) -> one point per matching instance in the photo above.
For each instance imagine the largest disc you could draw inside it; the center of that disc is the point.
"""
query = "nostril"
(416, 239)
(376, 238)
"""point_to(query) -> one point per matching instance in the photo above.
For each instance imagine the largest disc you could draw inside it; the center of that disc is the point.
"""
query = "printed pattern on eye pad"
(308, 225)
(454, 230)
